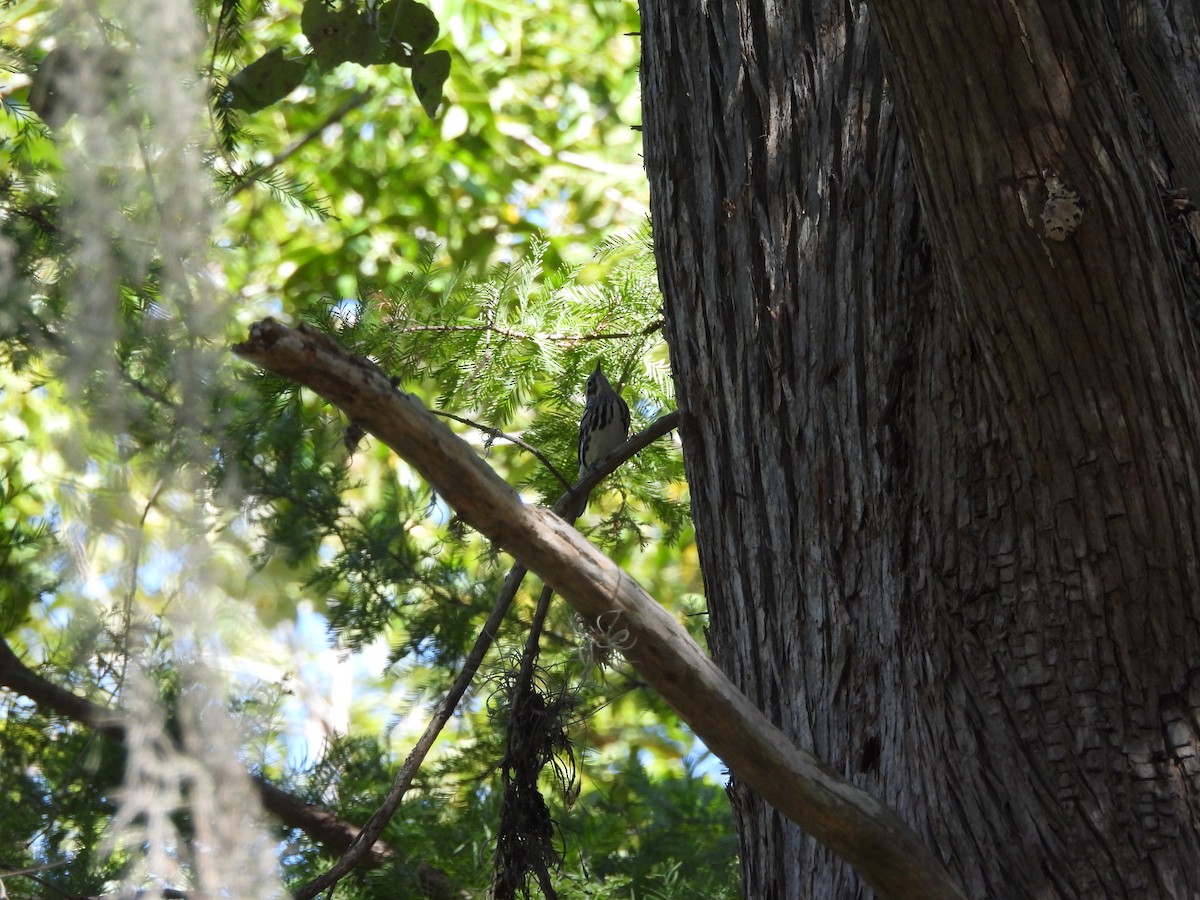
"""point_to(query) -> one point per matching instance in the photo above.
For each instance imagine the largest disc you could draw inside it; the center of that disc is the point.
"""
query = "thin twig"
(404, 778)
(33, 870)
(283, 156)
(487, 635)
(563, 337)
(497, 433)
(139, 539)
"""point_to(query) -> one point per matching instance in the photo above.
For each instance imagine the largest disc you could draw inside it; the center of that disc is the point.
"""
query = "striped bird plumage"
(605, 422)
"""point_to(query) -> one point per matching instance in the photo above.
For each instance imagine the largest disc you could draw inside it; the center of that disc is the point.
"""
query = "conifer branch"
(511, 438)
(253, 176)
(371, 831)
(357, 850)
(557, 337)
(320, 824)
(885, 851)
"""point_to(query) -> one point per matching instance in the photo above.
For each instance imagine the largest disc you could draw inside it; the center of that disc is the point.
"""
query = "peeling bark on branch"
(871, 837)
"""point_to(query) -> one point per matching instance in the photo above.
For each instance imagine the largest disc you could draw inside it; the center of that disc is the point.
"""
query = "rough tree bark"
(944, 468)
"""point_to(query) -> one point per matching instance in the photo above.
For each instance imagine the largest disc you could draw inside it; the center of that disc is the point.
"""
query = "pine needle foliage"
(513, 352)
(115, 422)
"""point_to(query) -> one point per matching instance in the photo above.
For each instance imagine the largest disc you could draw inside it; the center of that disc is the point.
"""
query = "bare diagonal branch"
(873, 838)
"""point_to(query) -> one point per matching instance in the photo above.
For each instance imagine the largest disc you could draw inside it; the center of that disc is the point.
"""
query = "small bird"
(605, 422)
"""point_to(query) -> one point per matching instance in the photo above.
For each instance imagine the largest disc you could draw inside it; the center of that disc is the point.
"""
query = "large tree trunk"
(945, 469)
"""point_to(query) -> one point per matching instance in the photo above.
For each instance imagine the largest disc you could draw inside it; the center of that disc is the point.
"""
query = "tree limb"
(860, 829)
(318, 823)
(355, 852)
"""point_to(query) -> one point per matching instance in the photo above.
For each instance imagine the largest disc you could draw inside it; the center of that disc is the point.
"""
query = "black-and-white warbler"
(605, 422)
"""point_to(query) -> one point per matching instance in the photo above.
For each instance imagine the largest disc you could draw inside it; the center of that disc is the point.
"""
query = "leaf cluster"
(395, 32)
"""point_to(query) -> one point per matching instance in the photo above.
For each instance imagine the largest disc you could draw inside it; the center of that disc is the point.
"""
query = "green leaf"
(338, 36)
(265, 81)
(429, 74)
(407, 29)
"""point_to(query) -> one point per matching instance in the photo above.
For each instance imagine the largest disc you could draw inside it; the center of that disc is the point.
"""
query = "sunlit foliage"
(166, 510)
